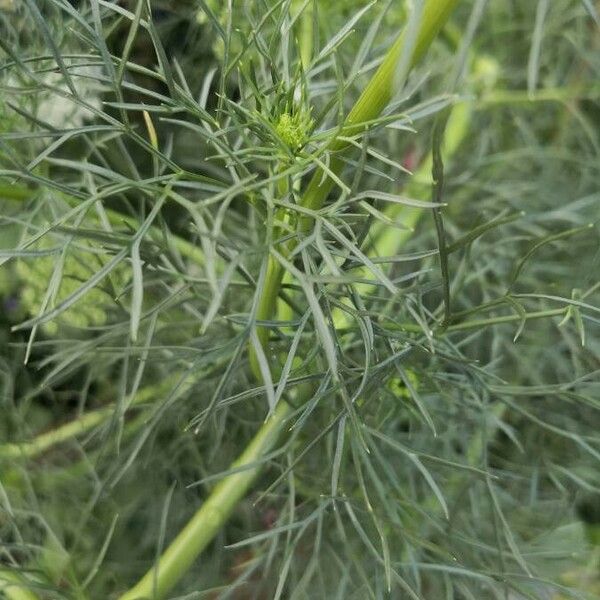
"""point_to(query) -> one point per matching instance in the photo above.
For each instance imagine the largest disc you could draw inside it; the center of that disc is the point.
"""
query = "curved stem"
(369, 105)
(14, 586)
(78, 426)
(209, 519)
(377, 95)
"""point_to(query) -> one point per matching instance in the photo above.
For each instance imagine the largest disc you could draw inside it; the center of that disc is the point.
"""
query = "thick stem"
(371, 102)
(14, 586)
(209, 519)
(386, 239)
(377, 95)
(306, 35)
(205, 524)
(77, 427)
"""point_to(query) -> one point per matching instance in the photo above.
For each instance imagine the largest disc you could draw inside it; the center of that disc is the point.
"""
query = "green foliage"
(419, 457)
(61, 273)
(293, 129)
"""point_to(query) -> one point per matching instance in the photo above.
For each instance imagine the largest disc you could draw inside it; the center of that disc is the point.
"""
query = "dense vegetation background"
(154, 154)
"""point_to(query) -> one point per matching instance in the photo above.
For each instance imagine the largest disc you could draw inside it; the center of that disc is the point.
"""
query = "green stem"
(205, 524)
(65, 432)
(480, 323)
(209, 519)
(14, 192)
(306, 35)
(386, 240)
(14, 586)
(79, 426)
(377, 95)
(565, 94)
(368, 107)
(477, 324)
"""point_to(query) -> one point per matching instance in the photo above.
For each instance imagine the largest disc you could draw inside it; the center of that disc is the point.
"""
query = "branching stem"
(369, 105)
(210, 518)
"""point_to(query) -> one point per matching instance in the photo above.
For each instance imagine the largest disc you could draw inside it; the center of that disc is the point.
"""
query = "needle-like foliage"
(327, 271)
